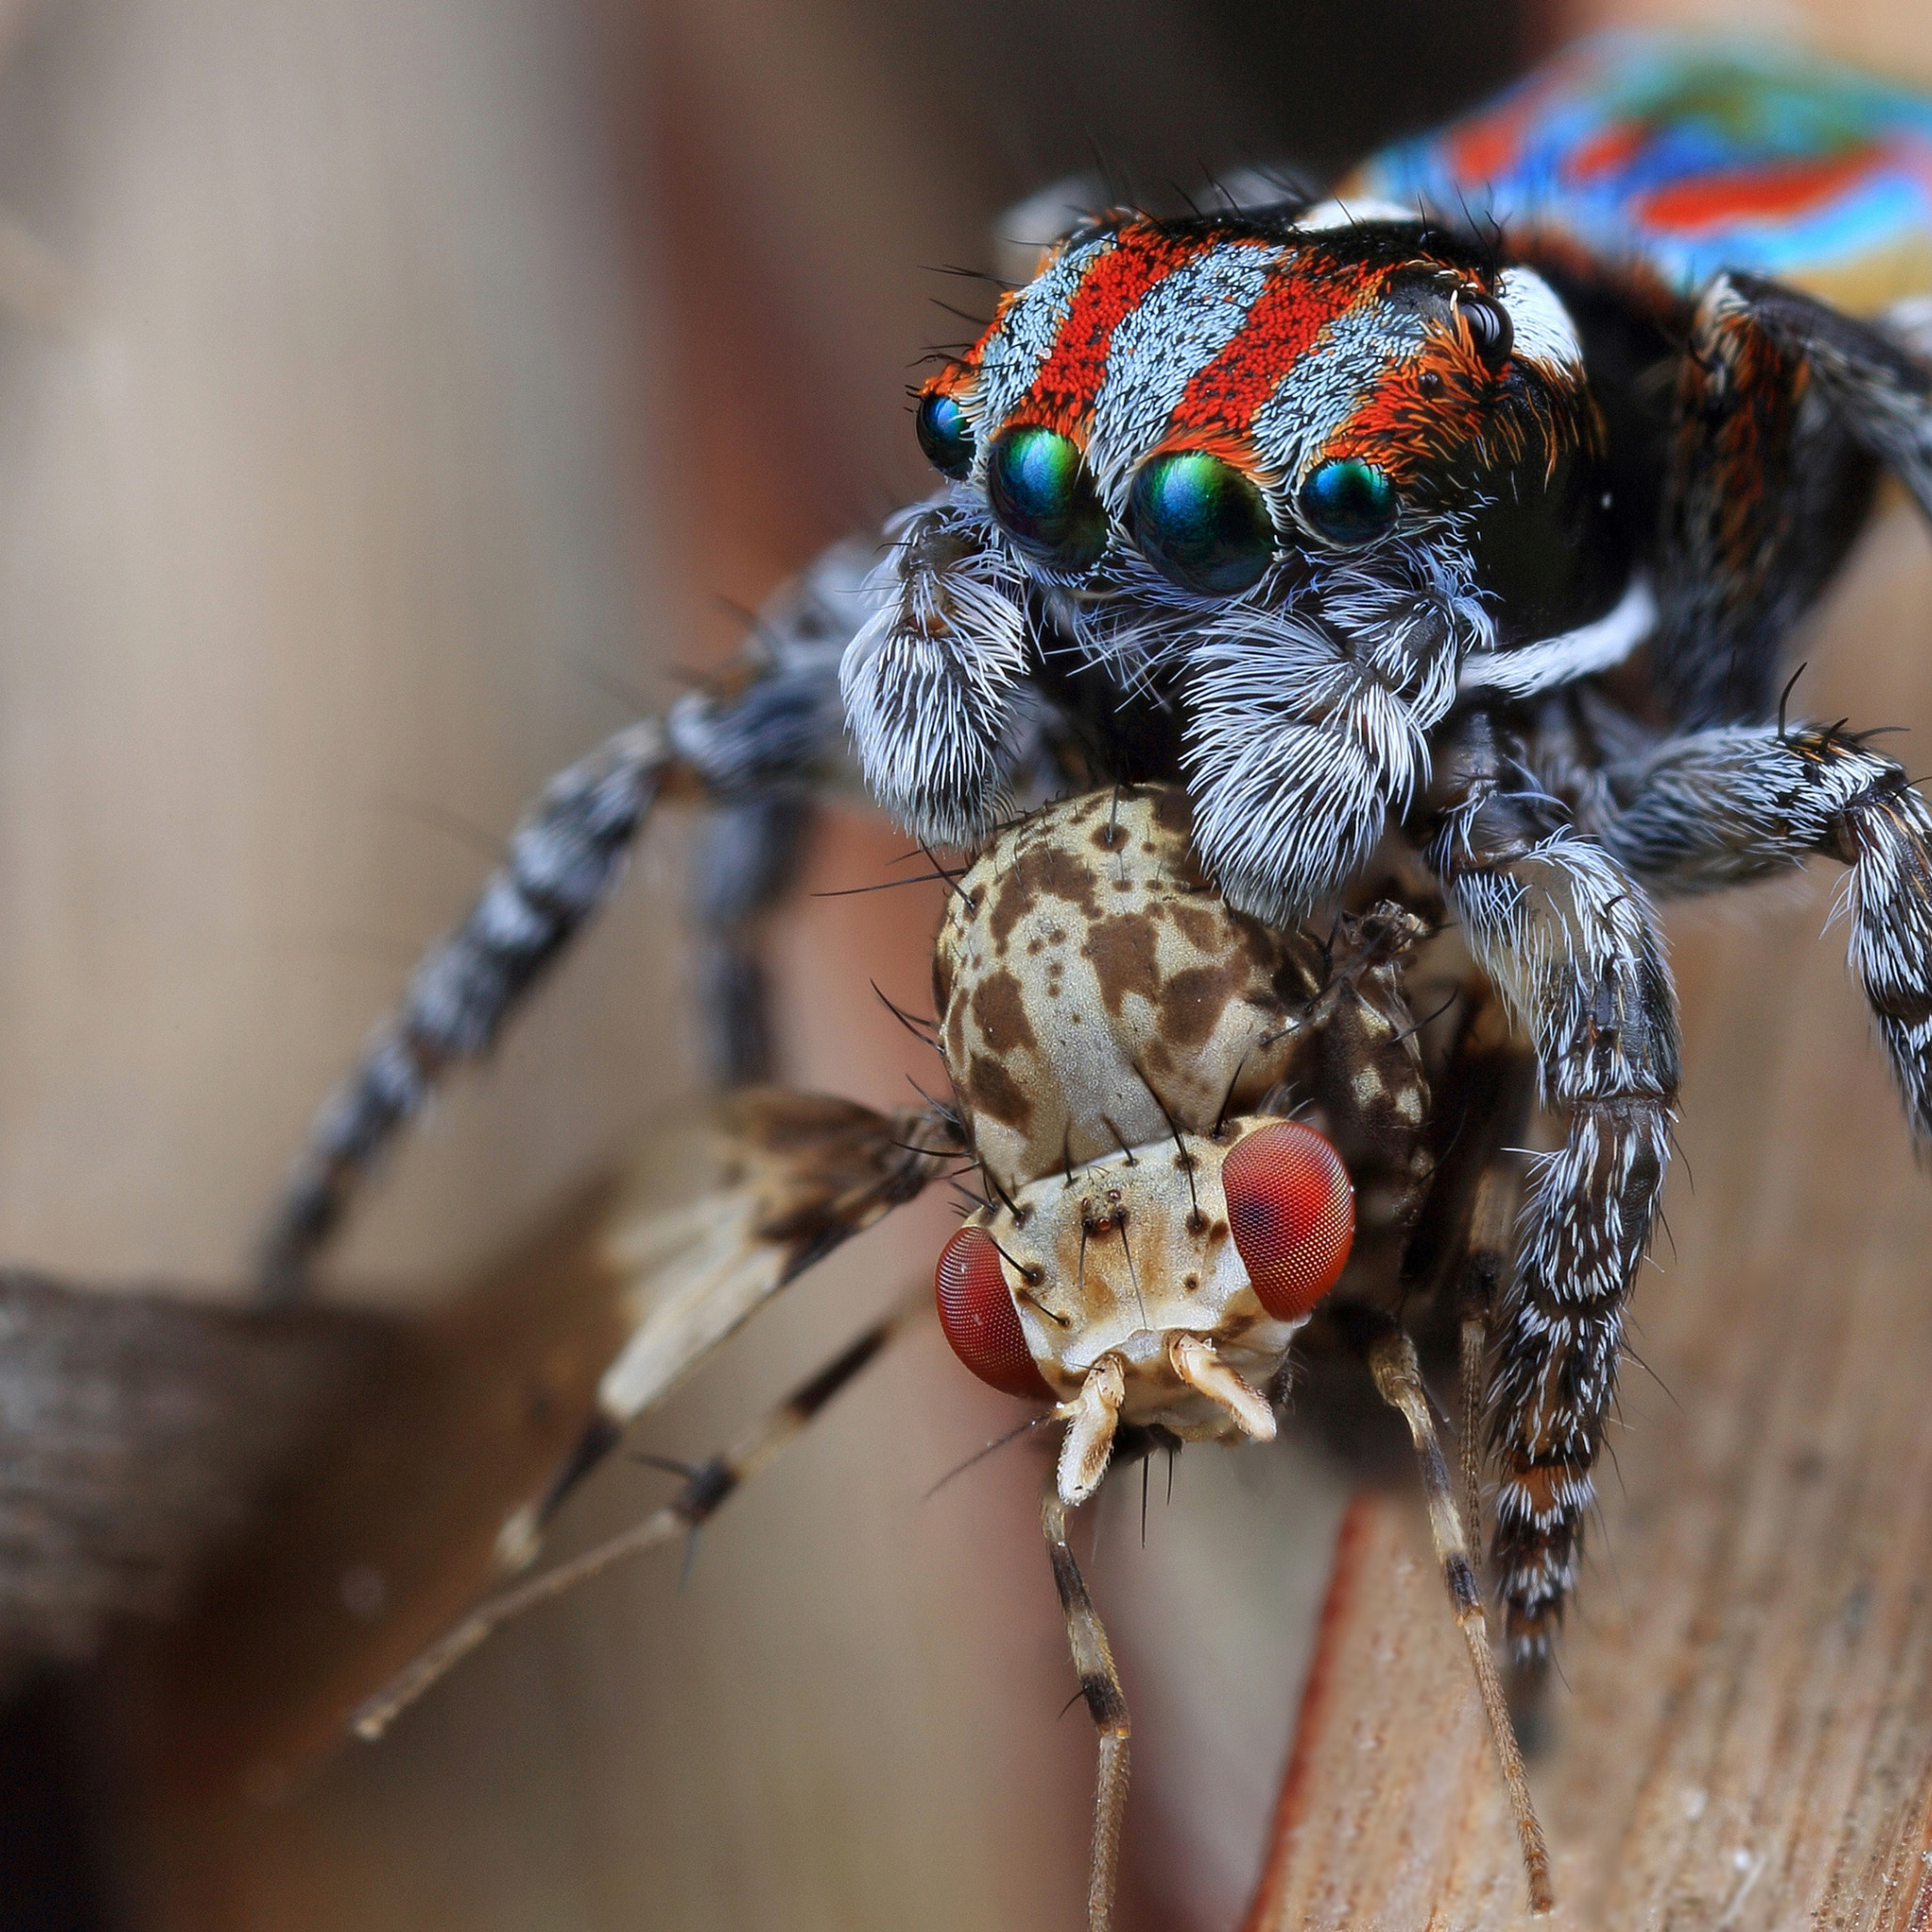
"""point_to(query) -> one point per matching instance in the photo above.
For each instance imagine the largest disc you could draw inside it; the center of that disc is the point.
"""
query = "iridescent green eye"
(1200, 522)
(1348, 502)
(944, 435)
(1044, 498)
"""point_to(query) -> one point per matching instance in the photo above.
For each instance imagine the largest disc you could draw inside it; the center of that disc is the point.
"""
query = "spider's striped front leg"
(1567, 938)
(1727, 807)
(753, 749)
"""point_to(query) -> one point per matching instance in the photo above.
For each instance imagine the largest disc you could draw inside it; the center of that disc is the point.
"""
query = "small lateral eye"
(1292, 1211)
(1490, 331)
(977, 1311)
(1200, 522)
(944, 435)
(1044, 498)
(1348, 502)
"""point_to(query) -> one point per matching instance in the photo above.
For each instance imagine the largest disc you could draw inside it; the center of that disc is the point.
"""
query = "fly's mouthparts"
(1195, 1362)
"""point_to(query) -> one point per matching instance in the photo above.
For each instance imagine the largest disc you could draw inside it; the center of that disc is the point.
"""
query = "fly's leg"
(707, 1486)
(1566, 937)
(1488, 1265)
(1464, 1243)
(1784, 409)
(1107, 1705)
(1727, 807)
(756, 750)
(1391, 1361)
(1372, 1067)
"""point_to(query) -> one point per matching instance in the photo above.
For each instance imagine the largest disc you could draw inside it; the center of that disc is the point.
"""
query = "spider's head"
(1215, 407)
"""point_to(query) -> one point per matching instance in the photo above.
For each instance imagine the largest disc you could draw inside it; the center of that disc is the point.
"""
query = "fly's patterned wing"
(715, 1220)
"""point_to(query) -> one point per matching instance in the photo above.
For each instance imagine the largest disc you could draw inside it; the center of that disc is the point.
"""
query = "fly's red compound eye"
(1292, 1211)
(977, 1311)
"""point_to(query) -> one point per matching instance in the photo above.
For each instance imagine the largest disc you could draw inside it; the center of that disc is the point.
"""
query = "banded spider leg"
(1568, 938)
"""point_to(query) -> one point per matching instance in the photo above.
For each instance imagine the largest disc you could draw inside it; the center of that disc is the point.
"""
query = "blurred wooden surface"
(1742, 1734)
(383, 441)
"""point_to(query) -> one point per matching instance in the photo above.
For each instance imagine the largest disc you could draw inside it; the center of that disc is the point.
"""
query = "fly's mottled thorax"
(1094, 992)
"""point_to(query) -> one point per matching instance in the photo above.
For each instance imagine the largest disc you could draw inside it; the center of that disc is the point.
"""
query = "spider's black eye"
(944, 435)
(1044, 498)
(1489, 327)
(1200, 522)
(1348, 502)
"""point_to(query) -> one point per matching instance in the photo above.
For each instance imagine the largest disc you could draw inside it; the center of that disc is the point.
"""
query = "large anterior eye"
(1044, 498)
(1348, 502)
(977, 1314)
(1200, 522)
(1292, 1211)
(944, 435)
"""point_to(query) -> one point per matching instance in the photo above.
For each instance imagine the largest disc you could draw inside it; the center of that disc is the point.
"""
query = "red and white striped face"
(1219, 392)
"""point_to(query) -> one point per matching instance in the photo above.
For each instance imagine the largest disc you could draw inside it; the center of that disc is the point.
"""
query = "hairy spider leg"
(1727, 807)
(755, 746)
(1568, 938)
(1784, 409)
(707, 1486)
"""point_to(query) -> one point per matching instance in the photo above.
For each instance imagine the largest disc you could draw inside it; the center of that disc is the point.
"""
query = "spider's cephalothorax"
(1270, 480)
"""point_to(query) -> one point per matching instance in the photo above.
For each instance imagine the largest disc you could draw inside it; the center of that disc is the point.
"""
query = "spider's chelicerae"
(1444, 539)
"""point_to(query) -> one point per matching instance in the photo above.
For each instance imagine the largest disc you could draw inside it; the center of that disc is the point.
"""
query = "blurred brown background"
(395, 393)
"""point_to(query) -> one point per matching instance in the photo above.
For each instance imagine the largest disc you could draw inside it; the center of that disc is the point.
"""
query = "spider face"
(1246, 494)
(1207, 408)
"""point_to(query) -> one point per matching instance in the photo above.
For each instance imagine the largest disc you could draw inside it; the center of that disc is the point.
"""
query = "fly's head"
(1161, 1287)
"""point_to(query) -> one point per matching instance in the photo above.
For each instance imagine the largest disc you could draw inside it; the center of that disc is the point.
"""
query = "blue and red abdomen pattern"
(1677, 157)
